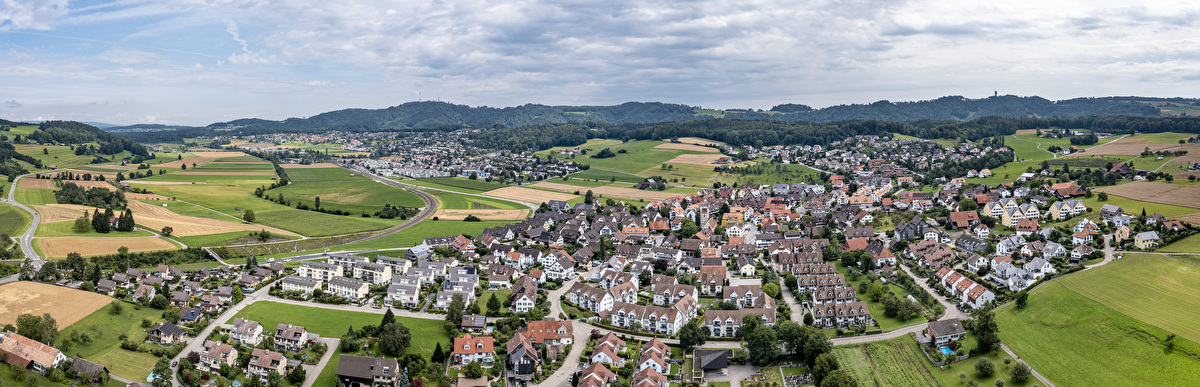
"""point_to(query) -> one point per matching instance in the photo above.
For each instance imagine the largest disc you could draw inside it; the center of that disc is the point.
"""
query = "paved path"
(562, 376)
(312, 372)
(197, 343)
(797, 309)
(26, 239)
(952, 312)
(1045, 382)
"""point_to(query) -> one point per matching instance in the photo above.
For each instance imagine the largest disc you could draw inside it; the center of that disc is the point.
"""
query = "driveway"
(312, 372)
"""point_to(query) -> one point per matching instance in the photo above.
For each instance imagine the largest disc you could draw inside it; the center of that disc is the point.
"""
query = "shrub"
(985, 368)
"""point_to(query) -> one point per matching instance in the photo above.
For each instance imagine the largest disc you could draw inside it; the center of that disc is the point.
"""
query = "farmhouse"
(28, 353)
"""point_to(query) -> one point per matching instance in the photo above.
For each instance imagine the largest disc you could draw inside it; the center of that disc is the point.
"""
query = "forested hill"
(71, 132)
(431, 115)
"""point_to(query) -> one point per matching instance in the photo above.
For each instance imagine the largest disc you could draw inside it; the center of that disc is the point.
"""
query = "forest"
(71, 132)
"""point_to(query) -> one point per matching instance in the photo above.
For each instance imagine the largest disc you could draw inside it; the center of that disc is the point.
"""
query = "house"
(976, 262)
(106, 286)
(522, 358)
(596, 375)
(1039, 267)
(180, 298)
(302, 285)
(403, 295)
(373, 273)
(88, 371)
(469, 348)
(473, 323)
(964, 219)
(971, 244)
(362, 371)
(710, 361)
(711, 279)
(319, 270)
(215, 354)
(524, 295)
(648, 377)
(262, 362)
(1065, 209)
(165, 333)
(28, 353)
(830, 315)
(290, 337)
(943, 332)
(651, 318)
(1146, 240)
(348, 288)
(549, 332)
(606, 350)
(590, 298)
(247, 332)
(982, 231)
(726, 323)
(144, 292)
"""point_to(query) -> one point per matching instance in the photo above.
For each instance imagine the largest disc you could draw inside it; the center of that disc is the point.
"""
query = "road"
(314, 371)
(197, 343)
(426, 211)
(26, 239)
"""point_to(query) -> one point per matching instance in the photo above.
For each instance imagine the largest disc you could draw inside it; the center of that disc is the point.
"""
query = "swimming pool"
(946, 351)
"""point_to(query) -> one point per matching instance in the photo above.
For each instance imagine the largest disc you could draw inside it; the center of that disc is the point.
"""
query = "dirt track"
(66, 305)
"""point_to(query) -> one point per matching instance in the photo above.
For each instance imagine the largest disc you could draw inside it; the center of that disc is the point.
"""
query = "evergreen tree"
(986, 331)
(388, 318)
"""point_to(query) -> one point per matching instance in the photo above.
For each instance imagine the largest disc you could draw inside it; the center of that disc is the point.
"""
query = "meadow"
(1134, 207)
(463, 184)
(1190, 244)
(13, 221)
(455, 201)
(343, 190)
(58, 155)
(426, 334)
(1149, 287)
(105, 329)
(64, 229)
(1076, 341)
(639, 155)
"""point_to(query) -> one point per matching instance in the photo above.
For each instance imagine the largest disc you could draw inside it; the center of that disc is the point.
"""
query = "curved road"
(26, 239)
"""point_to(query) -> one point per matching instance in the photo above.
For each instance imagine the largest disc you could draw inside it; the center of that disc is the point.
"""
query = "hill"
(432, 115)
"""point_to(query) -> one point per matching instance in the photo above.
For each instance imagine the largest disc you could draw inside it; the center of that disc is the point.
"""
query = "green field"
(338, 189)
(607, 175)
(64, 229)
(105, 348)
(454, 201)
(334, 323)
(1134, 207)
(1149, 287)
(1075, 341)
(313, 224)
(876, 308)
(640, 155)
(1186, 245)
(773, 174)
(414, 235)
(59, 156)
(501, 294)
(462, 184)
(34, 197)
(944, 142)
(1164, 137)
(895, 362)
(13, 221)
(218, 239)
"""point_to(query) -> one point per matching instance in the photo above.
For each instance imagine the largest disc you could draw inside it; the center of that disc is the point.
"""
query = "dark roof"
(92, 369)
(168, 329)
(710, 359)
(946, 328)
(361, 367)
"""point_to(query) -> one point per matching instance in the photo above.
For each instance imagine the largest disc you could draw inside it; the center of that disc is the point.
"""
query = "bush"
(1021, 372)
(985, 368)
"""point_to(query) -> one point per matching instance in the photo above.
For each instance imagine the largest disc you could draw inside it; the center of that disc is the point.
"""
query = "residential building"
(362, 371)
(473, 348)
(165, 333)
(215, 354)
(247, 332)
(373, 273)
(403, 295)
(348, 288)
(262, 362)
(303, 285)
(28, 353)
(319, 270)
(943, 332)
(290, 337)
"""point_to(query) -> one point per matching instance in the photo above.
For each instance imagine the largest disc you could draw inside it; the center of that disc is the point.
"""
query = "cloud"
(12, 104)
(31, 14)
(246, 56)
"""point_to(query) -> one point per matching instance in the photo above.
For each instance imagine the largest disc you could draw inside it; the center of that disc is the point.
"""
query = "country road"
(26, 239)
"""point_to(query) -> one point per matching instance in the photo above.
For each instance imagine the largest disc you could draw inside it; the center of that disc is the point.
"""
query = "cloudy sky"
(203, 61)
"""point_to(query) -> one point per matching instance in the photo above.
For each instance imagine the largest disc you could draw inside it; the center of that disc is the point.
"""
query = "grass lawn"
(328, 376)
(105, 348)
(718, 384)
(1151, 288)
(414, 235)
(948, 374)
(1060, 328)
(895, 362)
(1164, 137)
(876, 308)
(6, 378)
(426, 334)
(314, 224)
(13, 221)
(59, 155)
(343, 190)
(65, 229)
(501, 294)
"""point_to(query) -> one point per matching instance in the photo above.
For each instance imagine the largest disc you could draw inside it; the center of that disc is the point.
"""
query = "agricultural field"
(342, 189)
(155, 217)
(602, 174)
(895, 362)
(528, 194)
(65, 304)
(61, 246)
(66, 229)
(510, 215)
(764, 172)
(426, 334)
(640, 155)
(1152, 288)
(1165, 198)
(460, 184)
(611, 191)
(31, 197)
(1190, 244)
(457, 201)
(58, 155)
(410, 237)
(13, 221)
(1059, 328)
(105, 330)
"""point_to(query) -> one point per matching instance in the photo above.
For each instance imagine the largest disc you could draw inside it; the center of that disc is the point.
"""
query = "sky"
(195, 62)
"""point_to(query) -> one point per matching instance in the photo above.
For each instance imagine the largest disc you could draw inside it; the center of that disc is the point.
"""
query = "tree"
(791, 335)
(162, 372)
(248, 216)
(815, 344)
(839, 378)
(394, 339)
(1022, 297)
(49, 272)
(237, 294)
(986, 331)
(493, 304)
(388, 318)
(771, 289)
(297, 376)
(30, 326)
(167, 230)
(1021, 372)
(454, 314)
(762, 344)
(160, 302)
(825, 364)
(317, 202)
(83, 223)
(117, 308)
(274, 379)
(985, 368)
(438, 356)
(808, 319)
(692, 335)
(473, 370)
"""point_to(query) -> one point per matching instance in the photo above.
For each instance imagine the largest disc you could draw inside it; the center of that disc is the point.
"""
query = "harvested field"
(302, 166)
(186, 160)
(202, 173)
(66, 305)
(687, 147)
(1134, 146)
(701, 160)
(114, 167)
(107, 175)
(32, 183)
(1027, 131)
(699, 141)
(138, 196)
(1190, 218)
(215, 154)
(350, 154)
(482, 214)
(607, 191)
(52, 213)
(60, 247)
(528, 194)
(154, 217)
(155, 182)
(1156, 192)
(89, 184)
(561, 187)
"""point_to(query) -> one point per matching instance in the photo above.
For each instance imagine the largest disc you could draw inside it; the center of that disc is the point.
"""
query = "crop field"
(13, 221)
(528, 194)
(30, 183)
(65, 304)
(60, 247)
(306, 166)
(699, 141)
(610, 191)
(894, 362)
(1190, 244)
(607, 175)
(687, 147)
(344, 190)
(483, 214)
(639, 155)
(426, 334)
(1076, 341)
(314, 224)
(1157, 192)
(463, 185)
(1151, 288)
(34, 196)
(1134, 146)
(59, 156)
(410, 237)
(703, 160)
(105, 330)
(455, 201)
(156, 217)
(762, 172)
(61, 229)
